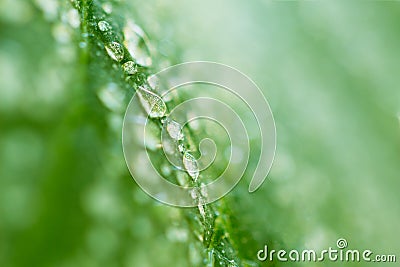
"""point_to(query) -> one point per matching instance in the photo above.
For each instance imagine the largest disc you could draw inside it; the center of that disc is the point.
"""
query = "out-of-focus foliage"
(330, 73)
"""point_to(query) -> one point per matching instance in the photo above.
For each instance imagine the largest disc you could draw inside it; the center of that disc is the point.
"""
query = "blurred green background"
(330, 71)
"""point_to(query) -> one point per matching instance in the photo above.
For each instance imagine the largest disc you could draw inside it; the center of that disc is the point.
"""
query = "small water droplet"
(115, 51)
(193, 193)
(152, 103)
(174, 130)
(104, 26)
(181, 148)
(201, 210)
(129, 67)
(191, 166)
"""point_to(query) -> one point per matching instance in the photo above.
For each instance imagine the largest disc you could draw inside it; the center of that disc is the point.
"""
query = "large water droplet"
(174, 130)
(137, 43)
(115, 51)
(152, 103)
(129, 67)
(104, 26)
(190, 163)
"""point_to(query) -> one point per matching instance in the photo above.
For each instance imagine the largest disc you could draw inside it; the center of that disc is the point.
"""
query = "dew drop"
(152, 103)
(104, 26)
(115, 51)
(129, 67)
(174, 130)
(201, 210)
(191, 166)
(181, 148)
(193, 193)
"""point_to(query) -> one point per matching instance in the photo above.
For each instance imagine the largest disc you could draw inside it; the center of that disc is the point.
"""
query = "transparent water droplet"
(191, 166)
(129, 67)
(115, 51)
(201, 210)
(104, 26)
(181, 148)
(174, 130)
(137, 43)
(152, 103)
(193, 193)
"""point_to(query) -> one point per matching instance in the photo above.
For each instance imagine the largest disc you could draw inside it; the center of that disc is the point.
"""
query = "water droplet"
(174, 130)
(193, 193)
(181, 148)
(201, 210)
(104, 26)
(152, 103)
(115, 51)
(82, 44)
(129, 67)
(137, 44)
(191, 166)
